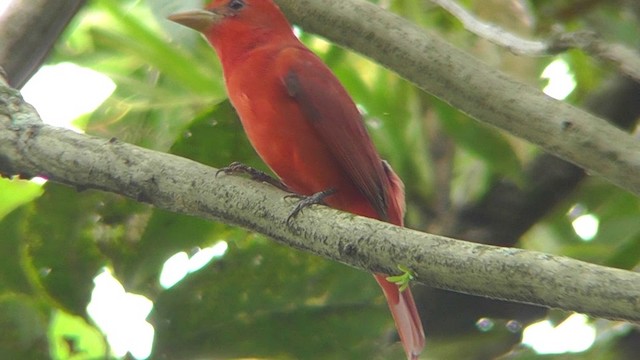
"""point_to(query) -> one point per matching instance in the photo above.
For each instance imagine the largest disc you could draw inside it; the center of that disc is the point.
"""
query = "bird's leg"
(306, 201)
(255, 174)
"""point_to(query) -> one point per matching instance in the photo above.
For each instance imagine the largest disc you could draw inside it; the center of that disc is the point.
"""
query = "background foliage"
(262, 300)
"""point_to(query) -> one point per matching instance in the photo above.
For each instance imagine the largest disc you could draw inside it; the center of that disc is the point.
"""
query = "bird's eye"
(236, 5)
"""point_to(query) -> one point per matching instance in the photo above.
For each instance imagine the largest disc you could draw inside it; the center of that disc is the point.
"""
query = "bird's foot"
(306, 201)
(255, 174)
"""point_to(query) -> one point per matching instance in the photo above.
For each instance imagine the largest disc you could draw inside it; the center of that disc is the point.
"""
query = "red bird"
(304, 125)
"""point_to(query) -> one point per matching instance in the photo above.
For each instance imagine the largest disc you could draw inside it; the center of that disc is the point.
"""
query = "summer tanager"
(304, 125)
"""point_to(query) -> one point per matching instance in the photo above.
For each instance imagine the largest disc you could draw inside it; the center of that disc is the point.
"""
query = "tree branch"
(28, 31)
(625, 59)
(508, 210)
(494, 33)
(30, 148)
(473, 87)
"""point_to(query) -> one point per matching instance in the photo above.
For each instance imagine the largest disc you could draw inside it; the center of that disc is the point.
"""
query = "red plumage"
(304, 124)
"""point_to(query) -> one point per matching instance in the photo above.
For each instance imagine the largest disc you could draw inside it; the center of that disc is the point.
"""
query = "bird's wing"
(329, 108)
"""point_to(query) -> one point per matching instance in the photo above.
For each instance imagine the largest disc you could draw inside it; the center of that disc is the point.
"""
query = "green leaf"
(72, 338)
(137, 39)
(262, 300)
(15, 192)
(60, 239)
(138, 266)
(403, 279)
(216, 138)
(15, 272)
(24, 328)
(486, 143)
(627, 254)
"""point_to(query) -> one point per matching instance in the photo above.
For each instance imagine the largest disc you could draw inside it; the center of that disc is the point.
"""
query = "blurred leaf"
(136, 39)
(162, 8)
(164, 235)
(139, 120)
(488, 144)
(619, 231)
(627, 254)
(14, 270)
(587, 72)
(160, 86)
(261, 299)
(216, 138)
(61, 244)
(15, 192)
(72, 338)
(24, 328)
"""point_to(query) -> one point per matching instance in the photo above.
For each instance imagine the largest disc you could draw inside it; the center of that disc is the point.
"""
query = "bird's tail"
(405, 315)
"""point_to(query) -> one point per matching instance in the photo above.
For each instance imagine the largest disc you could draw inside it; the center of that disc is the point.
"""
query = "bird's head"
(238, 16)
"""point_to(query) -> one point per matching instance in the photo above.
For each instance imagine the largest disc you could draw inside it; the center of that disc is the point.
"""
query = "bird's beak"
(200, 20)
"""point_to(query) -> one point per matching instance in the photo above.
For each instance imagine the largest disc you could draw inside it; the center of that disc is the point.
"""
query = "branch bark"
(473, 87)
(508, 210)
(28, 31)
(30, 148)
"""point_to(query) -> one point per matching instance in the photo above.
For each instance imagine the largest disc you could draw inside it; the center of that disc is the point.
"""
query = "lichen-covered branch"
(30, 148)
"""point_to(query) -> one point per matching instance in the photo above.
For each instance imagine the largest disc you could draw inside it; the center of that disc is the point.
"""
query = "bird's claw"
(306, 201)
(255, 174)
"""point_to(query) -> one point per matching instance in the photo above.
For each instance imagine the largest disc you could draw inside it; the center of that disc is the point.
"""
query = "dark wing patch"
(295, 90)
(333, 114)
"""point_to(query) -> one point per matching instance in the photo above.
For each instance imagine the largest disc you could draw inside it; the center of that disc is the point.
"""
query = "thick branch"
(507, 210)
(473, 87)
(30, 148)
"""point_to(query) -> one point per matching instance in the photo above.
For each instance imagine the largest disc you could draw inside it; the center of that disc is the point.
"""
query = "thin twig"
(494, 33)
(625, 59)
